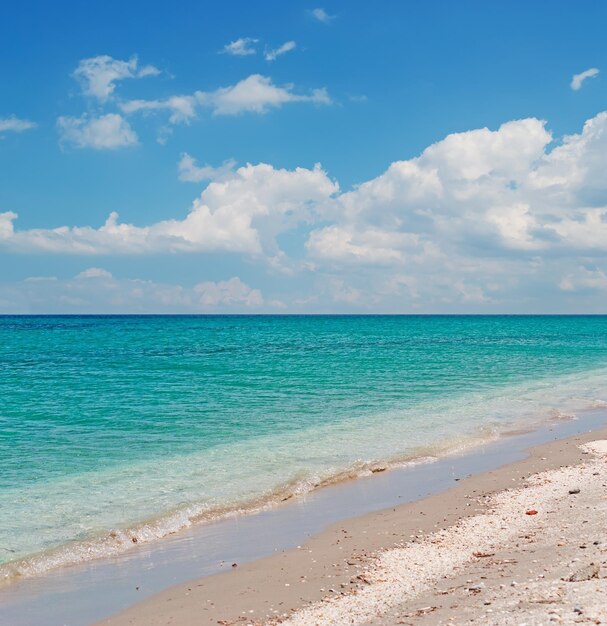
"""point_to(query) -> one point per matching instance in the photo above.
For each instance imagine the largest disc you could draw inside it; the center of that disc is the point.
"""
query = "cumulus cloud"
(578, 79)
(366, 245)
(342, 292)
(258, 94)
(94, 272)
(182, 109)
(192, 173)
(227, 292)
(254, 94)
(584, 279)
(15, 124)
(272, 55)
(471, 187)
(107, 132)
(477, 219)
(6, 225)
(243, 213)
(472, 190)
(98, 75)
(477, 215)
(245, 46)
(321, 15)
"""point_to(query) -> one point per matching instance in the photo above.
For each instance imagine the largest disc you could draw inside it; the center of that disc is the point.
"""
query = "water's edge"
(114, 542)
(79, 594)
(118, 541)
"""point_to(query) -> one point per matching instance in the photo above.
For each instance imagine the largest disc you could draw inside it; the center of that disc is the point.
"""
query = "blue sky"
(205, 143)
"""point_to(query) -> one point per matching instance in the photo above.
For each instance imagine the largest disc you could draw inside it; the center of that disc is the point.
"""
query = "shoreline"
(305, 584)
(118, 540)
(158, 567)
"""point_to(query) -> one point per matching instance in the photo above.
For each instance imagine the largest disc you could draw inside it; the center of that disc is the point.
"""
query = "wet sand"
(416, 563)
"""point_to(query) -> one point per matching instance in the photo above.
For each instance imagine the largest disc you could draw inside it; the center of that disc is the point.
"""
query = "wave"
(118, 541)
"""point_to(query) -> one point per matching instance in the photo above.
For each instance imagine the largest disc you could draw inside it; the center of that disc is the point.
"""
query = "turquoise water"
(122, 429)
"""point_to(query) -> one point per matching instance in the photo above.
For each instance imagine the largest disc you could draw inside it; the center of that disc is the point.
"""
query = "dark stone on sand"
(585, 573)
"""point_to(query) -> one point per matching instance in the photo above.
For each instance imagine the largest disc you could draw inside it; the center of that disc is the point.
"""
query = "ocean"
(119, 430)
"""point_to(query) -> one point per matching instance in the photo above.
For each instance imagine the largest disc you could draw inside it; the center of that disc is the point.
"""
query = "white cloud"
(578, 79)
(15, 125)
(6, 225)
(192, 173)
(365, 245)
(341, 292)
(478, 217)
(36, 279)
(471, 292)
(182, 108)
(227, 292)
(98, 75)
(585, 229)
(243, 213)
(272, 55)
(477, 214)
(107, 132)
(254, 94)
(396, 282)
(584, 279)
(96, 290)
(465, 188)
(94, 272)
(257, 94)
(245, 46)
(515, 225)
(321, 15)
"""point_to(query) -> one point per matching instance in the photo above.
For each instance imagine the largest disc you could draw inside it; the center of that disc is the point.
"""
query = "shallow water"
(85, 593)
(122, 428)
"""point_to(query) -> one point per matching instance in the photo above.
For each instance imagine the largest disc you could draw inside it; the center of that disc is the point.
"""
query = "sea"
(121, 430)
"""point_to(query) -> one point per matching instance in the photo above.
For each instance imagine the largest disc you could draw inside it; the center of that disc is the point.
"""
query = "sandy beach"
(303, 313)
(525, 543)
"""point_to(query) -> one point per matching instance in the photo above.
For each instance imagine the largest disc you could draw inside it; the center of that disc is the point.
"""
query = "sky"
(274, 157)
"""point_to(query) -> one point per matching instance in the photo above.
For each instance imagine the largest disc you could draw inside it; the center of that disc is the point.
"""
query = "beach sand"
(471, 554)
